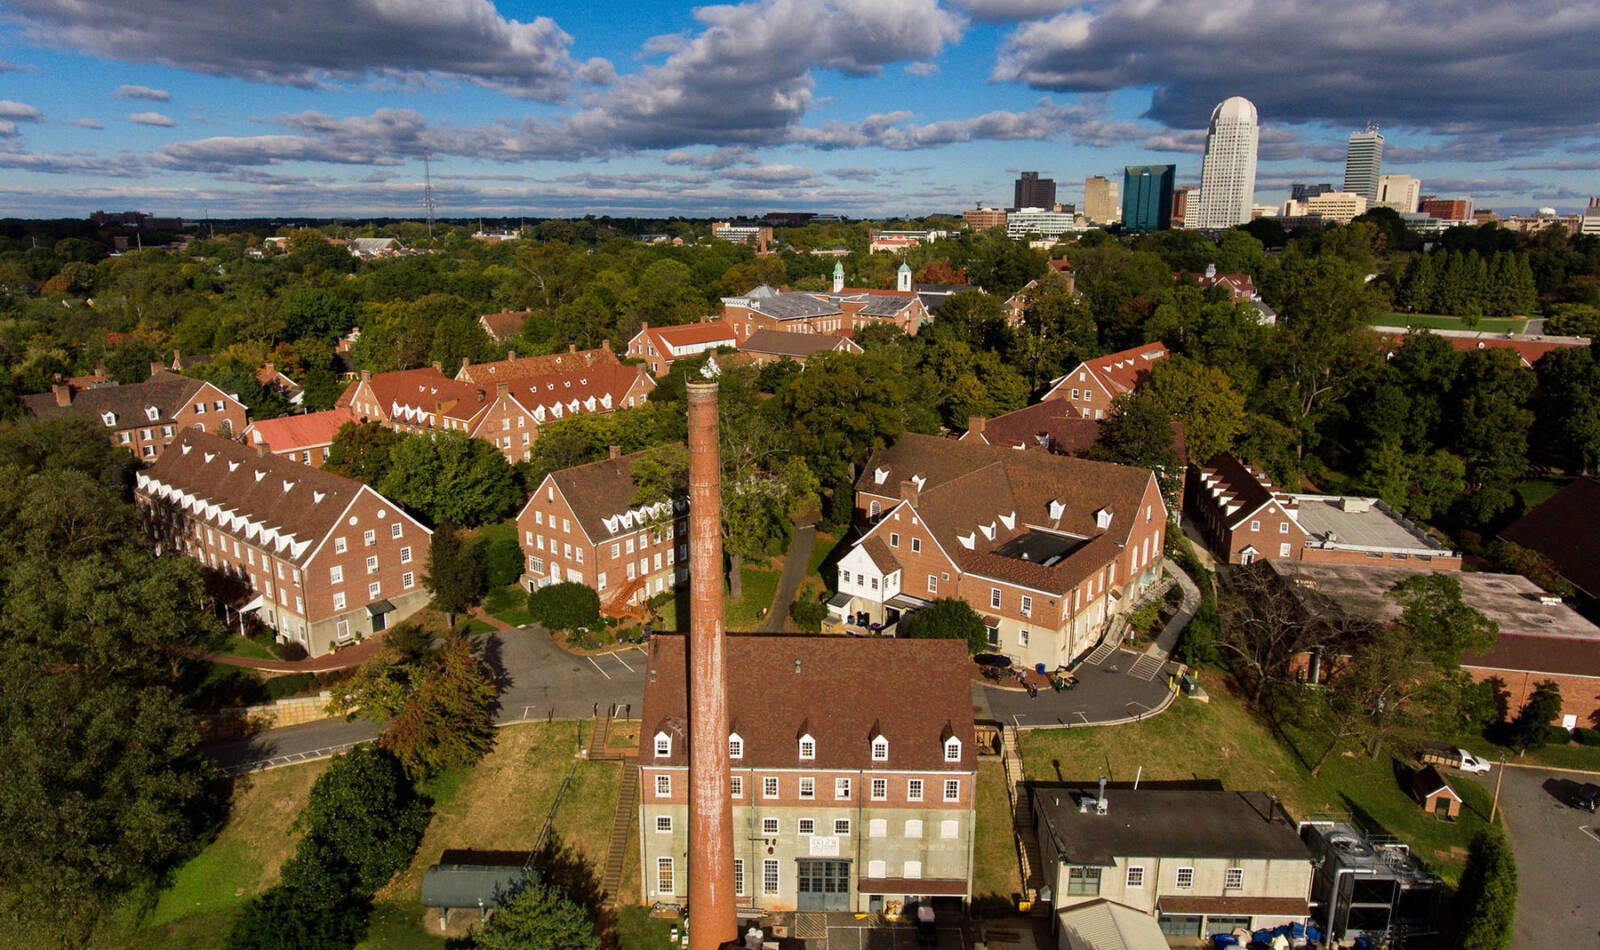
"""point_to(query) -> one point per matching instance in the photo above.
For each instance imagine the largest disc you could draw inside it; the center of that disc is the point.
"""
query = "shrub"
(1197, 645)
(501, 558)
(537, 917)
(809, 613)
(566, 606)
(283, 917)
(947, 619)
(1145, 618)
(1487, 898)
(1531, 729)
(1586, 736)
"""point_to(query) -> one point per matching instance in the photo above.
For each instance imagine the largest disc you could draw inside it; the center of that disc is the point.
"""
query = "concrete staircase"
(621, 826)
(1028, 855)
(1147, 666)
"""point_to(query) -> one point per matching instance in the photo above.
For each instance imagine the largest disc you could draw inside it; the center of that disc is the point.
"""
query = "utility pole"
(1495, 807)
(427, 191)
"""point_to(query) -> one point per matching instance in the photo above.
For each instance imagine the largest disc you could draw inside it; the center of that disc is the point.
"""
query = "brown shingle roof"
(504, 325)
(842, 689)
(580, 384)
(1563, 529)
(796, 345)
(1565, 656)
(166, 391)
(597, 491)
(1127, 370)
(503, 370)
(1228, 482)
(291, 498)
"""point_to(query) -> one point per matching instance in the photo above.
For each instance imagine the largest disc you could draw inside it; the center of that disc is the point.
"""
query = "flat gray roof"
(1165, 822)
(1510, 600)
(1360, 522)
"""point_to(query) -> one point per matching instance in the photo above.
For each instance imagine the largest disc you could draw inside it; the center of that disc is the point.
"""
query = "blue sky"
(864, 107)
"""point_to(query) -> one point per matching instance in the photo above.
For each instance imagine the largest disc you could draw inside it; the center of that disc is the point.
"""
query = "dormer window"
(663, 745)
(735, 746)
(808, 747)
(952, 750)
(880, 749)
(152, 413)
(109, 418)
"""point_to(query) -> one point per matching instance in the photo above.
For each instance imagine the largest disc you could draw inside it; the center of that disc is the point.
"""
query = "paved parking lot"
(1558, 858)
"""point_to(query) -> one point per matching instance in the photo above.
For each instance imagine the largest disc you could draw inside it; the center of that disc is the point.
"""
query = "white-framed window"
(339, 547)
(342, 628)
(841, 788)
(665, 883)
(369, 537)
(1027, 606)
(769, 876)
(933, 583)
(1083, 881)
(738, 877)
(1022, 637)
(372, 564)
(1185, 878)
(663, 745)
(1284, 549)
(338, 600)
(914, 790)
(664, 824)
(894, 538)
(952, 789)
(913, 827)
(873, 509)
(806, 826)
(663, 786)
(1255, 524)
(405, 554)
(769, 827)
(374, 590)
(913, 870)
(736, 786)
(395, 530)
(808, 787)
(952, 749)
(408, 580)
(735, 746)
(335, 573)
(1283, 527)
(1135, 875)
(808, 747)
(916, 545)
(1233, 878)
(880, 749)
(841, 826)
(880, 789)
(769, 786)
(994, 597)
(949, 829)
(877, 828)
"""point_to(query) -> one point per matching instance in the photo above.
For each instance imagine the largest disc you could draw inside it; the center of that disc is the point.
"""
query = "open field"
(1438, 321)
(1226, 741)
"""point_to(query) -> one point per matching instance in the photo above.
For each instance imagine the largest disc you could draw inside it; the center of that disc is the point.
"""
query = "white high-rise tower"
(1362, 162)
(1228, 176)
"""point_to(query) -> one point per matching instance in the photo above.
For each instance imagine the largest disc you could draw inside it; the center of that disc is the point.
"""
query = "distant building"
(1100, 204)
(1147, 197)
(660, 347)
(1228, 174)
(1180, 205)
(504, 326)
(1400, 192)
(1090, 386)
(1529, 347)
(1339, 206)
(844, 309)
(756, 235)
(1446, 209)
(1031, 191)
(901, 240)
(1591, 218)
(1046, 224)
(767, 346)
(1362, 163)
(1300, 191)
(982, 219)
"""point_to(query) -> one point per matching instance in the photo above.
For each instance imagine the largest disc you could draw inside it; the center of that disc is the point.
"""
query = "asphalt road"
(1558, 858)
(537, 680)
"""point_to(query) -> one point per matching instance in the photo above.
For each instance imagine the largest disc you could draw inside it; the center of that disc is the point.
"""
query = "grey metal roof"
(793, 306)
(884, 306)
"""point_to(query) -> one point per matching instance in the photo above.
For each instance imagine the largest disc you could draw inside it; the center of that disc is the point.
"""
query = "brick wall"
(1580, 695)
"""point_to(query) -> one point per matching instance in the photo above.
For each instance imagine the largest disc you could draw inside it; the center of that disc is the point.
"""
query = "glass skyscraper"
(1147, 197)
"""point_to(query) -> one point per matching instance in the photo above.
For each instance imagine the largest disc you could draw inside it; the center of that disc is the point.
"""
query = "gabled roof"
(410, 393)
(976, 499)
(504, 325)
(600, 495)
(1053, 425)
(1237, 490)
(795, 345)
(1126, 370)
(518, 366)
(689, 334)
(841, 687)
(599, 388)
(261, 496)
(1563, 529)
(287, 433)
(1427, 782)
(167, 392)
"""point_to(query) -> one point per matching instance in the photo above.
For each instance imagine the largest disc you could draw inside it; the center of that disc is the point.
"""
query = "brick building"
(1043, 546)
(765, 346)
(503, 327)
(146, 417)
(514, 366)
(853, 773)
(581, 526)
(1244, 519)
(1092, 384)
(305, 438)
(329, 560)
(843, 310)
(659, 347)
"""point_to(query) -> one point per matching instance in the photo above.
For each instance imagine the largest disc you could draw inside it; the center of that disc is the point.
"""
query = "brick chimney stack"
(710, 808)
(63, 394)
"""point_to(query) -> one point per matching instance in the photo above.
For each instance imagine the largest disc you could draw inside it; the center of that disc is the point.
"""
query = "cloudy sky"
(312, 107)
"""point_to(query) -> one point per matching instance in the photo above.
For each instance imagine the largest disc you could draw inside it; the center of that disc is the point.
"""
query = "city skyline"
(896, 107)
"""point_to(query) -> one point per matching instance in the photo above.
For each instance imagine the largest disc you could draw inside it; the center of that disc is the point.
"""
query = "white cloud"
(85, 123)
(152, 118)
(142, 92)
(7, 128)
(922, 69)
(1000, 11)
(19, 112)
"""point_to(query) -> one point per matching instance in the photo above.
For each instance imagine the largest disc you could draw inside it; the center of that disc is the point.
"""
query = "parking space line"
(619, 659)
(598, 667)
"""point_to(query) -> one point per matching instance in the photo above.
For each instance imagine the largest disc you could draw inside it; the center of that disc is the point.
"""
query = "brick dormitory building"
(144, 417)
(327, 558)
(853, 773)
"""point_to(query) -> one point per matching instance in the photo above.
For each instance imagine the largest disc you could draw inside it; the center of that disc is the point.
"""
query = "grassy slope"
(1224, 740)
(996, 879)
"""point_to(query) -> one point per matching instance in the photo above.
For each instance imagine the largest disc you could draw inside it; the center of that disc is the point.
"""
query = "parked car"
(1586, 797)
(1472, 763)
(1453, 758)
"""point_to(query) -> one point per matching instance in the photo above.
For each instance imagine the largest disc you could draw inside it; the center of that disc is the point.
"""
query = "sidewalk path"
(795, 563)
(338, 660)
(1162, 648)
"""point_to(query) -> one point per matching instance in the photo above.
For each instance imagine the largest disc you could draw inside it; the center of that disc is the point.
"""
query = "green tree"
(362, 450)
(315, 313)
(365, 814)
(947, 618)
(1489, 416)
(841, 407)
(454, 576)
(1444, 626)
(1486, 901)
(537, 917)
(1531, 728)
(501, 557)
(285, 917)
(565, 606)
(450, 475)
(446, 720)
(1566, 408)
(1204, 400)
(1137, 431)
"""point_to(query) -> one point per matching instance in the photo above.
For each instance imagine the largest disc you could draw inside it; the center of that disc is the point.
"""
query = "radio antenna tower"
(427, 191)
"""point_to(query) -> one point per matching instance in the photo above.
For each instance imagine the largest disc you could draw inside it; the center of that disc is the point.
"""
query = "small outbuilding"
(1430, 788)
(469, 879)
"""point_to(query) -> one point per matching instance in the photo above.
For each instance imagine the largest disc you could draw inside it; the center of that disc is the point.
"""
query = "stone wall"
(240, 721)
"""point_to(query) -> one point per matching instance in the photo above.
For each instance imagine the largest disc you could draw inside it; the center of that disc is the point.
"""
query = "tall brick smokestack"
(713, 919)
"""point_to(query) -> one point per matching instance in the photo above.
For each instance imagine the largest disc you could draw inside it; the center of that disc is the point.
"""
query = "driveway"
(1558, 858)
(1109, 692)
(795, 563)
(537, 680)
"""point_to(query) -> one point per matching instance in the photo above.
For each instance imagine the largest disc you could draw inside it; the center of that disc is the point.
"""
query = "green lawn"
(637, 930)
(508, 605)
(1537, 491)
(1224, 740)
(996, 878)
(246, 647)
(745, 614)
(1436, 321)
(475, 626)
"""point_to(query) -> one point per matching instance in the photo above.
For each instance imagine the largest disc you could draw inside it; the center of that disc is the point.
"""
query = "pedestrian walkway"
(1168, 640)
(795, 562)
(342, 659)
(1027, 836)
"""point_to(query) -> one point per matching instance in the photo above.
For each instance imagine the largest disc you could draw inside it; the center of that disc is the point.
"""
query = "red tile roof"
(287, 433)
(841, 690)
(1128, 369)
(501, 370)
